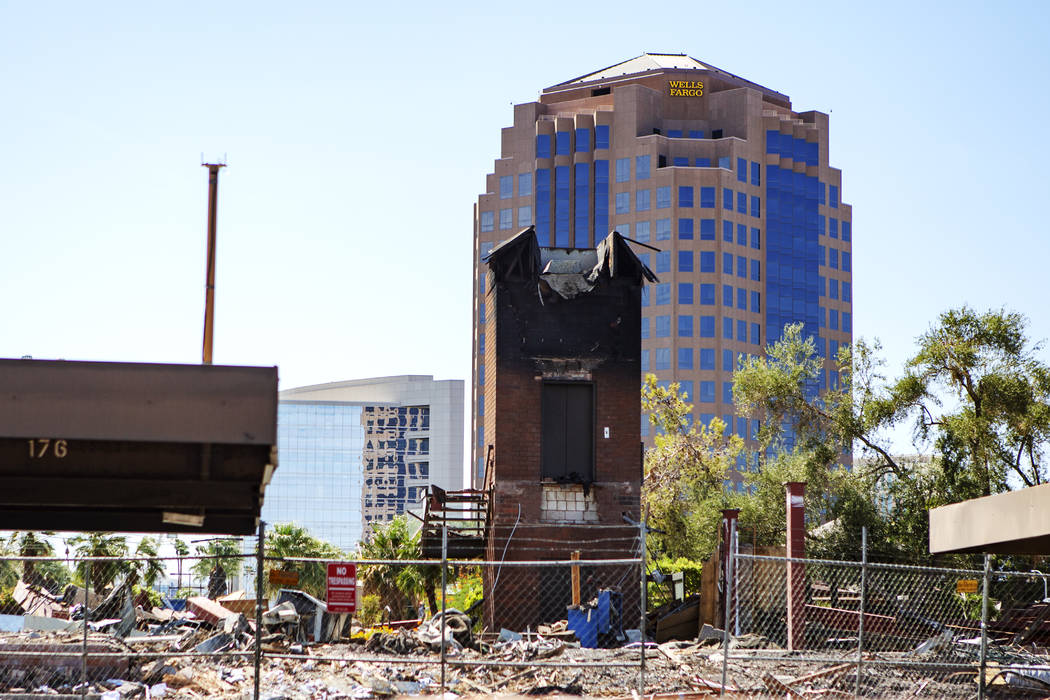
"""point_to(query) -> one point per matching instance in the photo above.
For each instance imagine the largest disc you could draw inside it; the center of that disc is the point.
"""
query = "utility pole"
(209, 284)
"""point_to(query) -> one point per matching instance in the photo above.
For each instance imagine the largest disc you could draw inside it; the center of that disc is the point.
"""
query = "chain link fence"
(94, 627)
(811, 626)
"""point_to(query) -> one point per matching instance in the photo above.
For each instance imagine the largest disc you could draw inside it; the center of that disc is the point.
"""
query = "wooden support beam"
(576, 578)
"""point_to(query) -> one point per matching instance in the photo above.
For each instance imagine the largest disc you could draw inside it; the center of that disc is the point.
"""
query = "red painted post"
(796, 571)
(729, 527)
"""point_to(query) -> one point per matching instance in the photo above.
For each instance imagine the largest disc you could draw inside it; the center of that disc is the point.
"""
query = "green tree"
(685, 471)
(287, 541)
(100, 544)
(398, 585)
(225, 553)
(146, 571)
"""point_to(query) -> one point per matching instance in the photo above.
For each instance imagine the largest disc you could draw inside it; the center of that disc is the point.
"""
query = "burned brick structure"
(562, 417)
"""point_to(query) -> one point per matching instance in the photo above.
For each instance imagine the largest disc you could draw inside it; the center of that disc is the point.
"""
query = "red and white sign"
(342, 587)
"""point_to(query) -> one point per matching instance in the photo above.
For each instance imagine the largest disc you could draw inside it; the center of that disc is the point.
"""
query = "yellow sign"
(279, 577)
(966, 585)
(686, 88)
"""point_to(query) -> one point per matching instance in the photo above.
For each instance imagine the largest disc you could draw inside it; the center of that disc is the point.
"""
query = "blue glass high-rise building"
(730, 185)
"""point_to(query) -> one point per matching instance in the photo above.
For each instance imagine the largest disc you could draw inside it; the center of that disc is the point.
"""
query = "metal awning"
(1017, 522)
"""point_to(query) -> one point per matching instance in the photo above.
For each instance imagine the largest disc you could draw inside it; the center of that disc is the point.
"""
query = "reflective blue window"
(506, 218)
(685, 293)
(833, 227)
(707, 326)
(601, 136)
(685, 261)
(645, 328)
(543, 145)
(741, 201)
(645, 294)
(820, 255)
(563, 143)
(833, 288)
(481, 312)
(756, 206)
(723, 162)
(707, 358)
(741, 234)
(741, 427)
(623, 202)
(703, 162)
(727, 231)
(562, 189)
(685, 326)
(741, 266)
(821, 317)
(663, 229)
(707, 294)
(685, 229)
(641, 231)
(822, 189)
(506, 186)
(727, 199)
(820, 225)
(674, 133)
(727, 361)
(741, 331)
(707, 392)
(601, 199)
(641, 168)
(707, 261)
(583, 204)
(543, 206)
(663, 197)
(663, 264)
(481, 374)
(488, 221)
(662, 326)
(685, 359)
(623, 169)
(727, 328)
(727, 263)
(696, 134)
(727, 295)
(756, 302)
(707, 229)
(661, 359)
(741, 298)
(833, 319)
(847, 231)
(641, 200)
(847, 322)
(756, 270)
(756, 174)
(833, 258)
(741, 169)
(481, 289)
(525, 184)
(680, 161)
(756, 334)
(583, 140)
(707, 197)
(847, 292)
(644, 432)
(685, 196)
(833, 196)
(481, 403)
(847, 263)
(645, 360)
(727, 397)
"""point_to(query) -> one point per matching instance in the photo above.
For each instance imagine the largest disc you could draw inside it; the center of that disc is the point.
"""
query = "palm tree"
(100, 544)
(224, 554)
(291, 540)
(398, 585)
(149, 570)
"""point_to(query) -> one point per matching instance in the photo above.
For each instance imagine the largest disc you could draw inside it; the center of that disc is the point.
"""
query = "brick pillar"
(729, 526)
(796, 571)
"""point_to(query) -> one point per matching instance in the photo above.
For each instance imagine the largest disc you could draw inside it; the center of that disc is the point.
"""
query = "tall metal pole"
(643, 531)
(259, 563)
(863, 603)
(444, 568)
(209, 283)
(981, 688)
(84, 658)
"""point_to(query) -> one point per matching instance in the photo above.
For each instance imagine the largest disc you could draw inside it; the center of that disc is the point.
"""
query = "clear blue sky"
(328, 270)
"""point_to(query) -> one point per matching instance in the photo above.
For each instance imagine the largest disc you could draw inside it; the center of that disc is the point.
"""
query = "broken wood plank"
(778, 687)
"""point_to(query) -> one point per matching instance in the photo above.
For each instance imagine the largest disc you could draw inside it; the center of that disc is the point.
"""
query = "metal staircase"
(466, 514)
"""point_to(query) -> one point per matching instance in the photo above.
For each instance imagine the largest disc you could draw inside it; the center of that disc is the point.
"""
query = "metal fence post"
(444, 566)
(727, 594)
(863, 601)
(642, 533)
(984, 626)
(259, 561)
(84, 655)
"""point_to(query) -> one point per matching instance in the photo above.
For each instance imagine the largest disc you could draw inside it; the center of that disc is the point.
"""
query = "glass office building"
(364, 451)
(730, 186)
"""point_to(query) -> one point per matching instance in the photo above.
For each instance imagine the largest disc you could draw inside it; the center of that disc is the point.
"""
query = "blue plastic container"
(585, 624)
